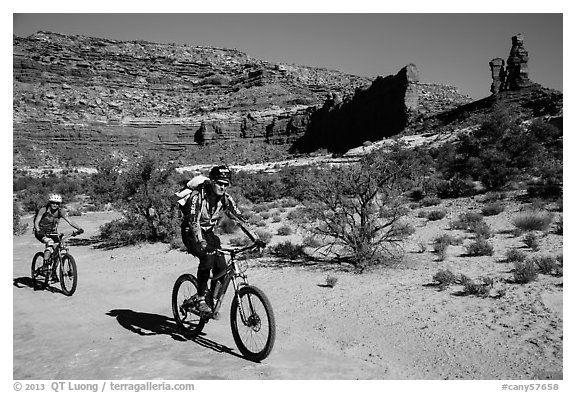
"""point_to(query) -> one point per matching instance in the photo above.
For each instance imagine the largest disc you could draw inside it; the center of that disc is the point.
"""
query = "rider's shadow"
(22, 282)
(146, 324)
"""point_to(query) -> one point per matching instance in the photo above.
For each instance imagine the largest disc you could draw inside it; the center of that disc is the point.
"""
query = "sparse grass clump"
(436, 215)
(331, 280)
(284, 231)
(440, 244)
(444, 278)
(513, 256)
(531, 241)
(288, 250)
(480, 247)
(493, 209)
(264, 235)
(481, 230)
(467, 221)
(546, 264)
(533, 220)
(525, 271)
(430, 201)
(559, 228)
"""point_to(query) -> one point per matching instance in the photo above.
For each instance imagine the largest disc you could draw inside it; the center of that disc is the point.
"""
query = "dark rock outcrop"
(381, 110)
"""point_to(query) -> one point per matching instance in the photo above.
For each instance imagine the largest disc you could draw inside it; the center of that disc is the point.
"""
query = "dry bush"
(480, 247)
(533, 220)
(525, 271)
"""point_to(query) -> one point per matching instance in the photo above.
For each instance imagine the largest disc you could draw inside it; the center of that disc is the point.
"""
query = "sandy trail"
(386, 324)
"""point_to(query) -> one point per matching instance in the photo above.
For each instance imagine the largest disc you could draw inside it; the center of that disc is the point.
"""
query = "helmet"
(221, 172)
(55, 198)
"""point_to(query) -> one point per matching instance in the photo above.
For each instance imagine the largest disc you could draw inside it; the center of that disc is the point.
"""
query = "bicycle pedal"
(216, 316)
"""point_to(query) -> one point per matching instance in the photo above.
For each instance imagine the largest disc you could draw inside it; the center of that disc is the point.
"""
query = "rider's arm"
(38, 218)
(235, 214)
(193, 215)
(64, 215)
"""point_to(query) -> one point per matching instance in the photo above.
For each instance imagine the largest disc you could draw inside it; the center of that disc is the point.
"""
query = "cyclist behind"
(202, 211)
(46, 223)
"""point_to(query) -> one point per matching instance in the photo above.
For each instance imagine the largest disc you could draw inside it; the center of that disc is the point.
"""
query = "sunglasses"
(55, 203)
(222, 184)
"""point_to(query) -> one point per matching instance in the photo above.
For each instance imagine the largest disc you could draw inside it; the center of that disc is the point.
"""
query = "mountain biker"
(46, 223)
(202, 211)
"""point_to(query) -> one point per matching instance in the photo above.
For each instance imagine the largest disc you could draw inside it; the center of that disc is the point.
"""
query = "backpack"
(183, 195)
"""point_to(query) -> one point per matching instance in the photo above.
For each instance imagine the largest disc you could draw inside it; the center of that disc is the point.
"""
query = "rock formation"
(515, 75)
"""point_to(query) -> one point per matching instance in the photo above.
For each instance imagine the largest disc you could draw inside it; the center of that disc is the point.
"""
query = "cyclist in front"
(46, 223)
(202, 211)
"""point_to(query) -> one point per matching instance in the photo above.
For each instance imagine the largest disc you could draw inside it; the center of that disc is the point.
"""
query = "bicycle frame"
(231, 274)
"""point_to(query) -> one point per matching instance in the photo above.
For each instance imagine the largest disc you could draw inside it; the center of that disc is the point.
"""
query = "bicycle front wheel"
(185, 303)
(68, 274)
(252, 322)
(36, 269)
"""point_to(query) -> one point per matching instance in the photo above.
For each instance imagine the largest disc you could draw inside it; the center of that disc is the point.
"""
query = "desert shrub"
(311, 241)
(531, 241)
(345, 202)
(125, 231)
(472, 288)
(560, 265)
(546, 264)
(18, 227)
(536, 220)
(456, 187)
(227, 225)
(525, 271)
(264, 235)
(284, 231)
(559, 228)
(493, 209)
(416, 194)
(435, 215)
(430, 201)
(440, 244)
(288, 202)
(444, 278)
(493, 197)
(467, 221)
(480, 247)
(265, 215)
(288, 250)
(513, 256)
(331, 281)
(143, 196)
(297, 215)
(259, 208)
(276, 218)
(481, 230)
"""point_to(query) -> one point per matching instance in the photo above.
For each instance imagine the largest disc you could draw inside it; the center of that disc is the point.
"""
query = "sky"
(447, 48)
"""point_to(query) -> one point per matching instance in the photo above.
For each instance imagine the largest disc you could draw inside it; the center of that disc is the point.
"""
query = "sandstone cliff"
(78, 99)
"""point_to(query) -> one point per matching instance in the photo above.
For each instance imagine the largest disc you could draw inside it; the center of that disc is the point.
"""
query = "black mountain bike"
(251, 316)
(61, 266)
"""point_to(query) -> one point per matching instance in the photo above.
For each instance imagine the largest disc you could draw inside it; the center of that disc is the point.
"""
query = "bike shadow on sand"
(147, 324)
(22, 282)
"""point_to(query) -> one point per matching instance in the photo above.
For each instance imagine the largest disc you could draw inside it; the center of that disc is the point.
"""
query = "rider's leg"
(218, 262)
(49, 247)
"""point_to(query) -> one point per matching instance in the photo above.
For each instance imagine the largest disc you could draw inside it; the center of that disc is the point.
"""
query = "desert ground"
(388, 323)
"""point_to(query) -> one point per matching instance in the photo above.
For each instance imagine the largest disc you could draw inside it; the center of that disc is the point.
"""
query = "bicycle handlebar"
(233, 251)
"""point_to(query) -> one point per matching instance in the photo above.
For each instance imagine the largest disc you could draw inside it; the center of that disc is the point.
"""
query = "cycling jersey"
(200, 216)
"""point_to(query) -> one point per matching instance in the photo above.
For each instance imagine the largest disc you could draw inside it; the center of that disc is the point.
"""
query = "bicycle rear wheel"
(252, 322)
(68, 274)
(184, 305)
(36, 270)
